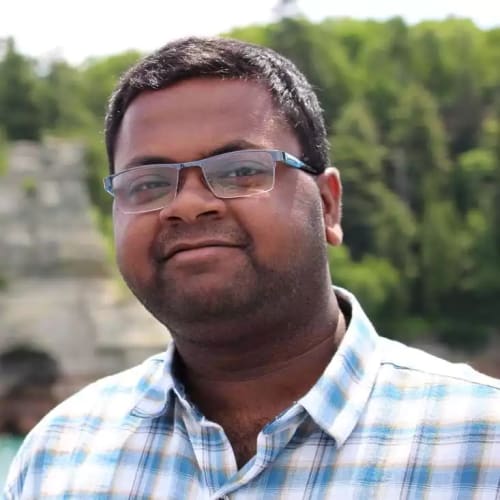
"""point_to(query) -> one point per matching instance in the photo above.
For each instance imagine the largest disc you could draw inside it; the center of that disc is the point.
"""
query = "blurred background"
(411, 93)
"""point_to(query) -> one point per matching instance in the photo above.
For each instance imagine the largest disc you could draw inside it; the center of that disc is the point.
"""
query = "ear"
(330, 189)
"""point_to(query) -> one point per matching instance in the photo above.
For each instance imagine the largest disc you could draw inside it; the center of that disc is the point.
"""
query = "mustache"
(206, 230)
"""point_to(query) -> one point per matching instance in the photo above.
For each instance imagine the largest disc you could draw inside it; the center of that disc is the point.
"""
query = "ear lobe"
(330, 189)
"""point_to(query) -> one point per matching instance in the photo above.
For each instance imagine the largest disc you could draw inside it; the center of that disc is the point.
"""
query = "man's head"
(230, 60)
(27, 380)
(199, 261)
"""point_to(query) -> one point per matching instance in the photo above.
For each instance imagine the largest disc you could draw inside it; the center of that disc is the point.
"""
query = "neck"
(266, 374)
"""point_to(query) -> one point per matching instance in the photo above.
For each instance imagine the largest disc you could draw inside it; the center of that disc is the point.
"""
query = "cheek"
(133, 239)
(121, 226)
(278, 228)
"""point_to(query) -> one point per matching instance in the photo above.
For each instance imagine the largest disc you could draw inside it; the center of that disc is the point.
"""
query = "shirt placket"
(212, 450)
(270, 442)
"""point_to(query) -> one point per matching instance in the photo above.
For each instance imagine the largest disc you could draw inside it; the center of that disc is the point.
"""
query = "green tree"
(98, 79)
(419, 156)
(326, 65)
(19, 108)
(63, 109)
(441, 254)
(3, 152)
(358, 155)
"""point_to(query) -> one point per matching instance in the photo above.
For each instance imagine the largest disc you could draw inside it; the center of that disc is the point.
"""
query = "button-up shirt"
(384, 421)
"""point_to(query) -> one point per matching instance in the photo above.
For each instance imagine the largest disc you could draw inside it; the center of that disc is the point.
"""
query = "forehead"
(188, 120)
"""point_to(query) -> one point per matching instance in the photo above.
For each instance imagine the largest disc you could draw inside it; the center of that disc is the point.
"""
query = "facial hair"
(257, 292)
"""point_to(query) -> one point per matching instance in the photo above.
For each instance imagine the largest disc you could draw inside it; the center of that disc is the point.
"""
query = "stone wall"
(58, 288)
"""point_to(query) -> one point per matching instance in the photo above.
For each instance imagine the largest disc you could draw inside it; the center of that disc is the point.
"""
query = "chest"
(191, 460)
(242, 434)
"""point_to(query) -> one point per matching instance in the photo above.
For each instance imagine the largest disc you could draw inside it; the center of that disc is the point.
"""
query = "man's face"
(240, 258)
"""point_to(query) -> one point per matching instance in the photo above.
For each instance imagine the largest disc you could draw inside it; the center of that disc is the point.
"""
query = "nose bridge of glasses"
(190, 172)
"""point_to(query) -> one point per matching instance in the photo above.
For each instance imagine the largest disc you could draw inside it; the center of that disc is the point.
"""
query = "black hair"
(228, 59)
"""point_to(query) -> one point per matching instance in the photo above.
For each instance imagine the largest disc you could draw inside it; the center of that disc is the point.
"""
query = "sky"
(78, 29)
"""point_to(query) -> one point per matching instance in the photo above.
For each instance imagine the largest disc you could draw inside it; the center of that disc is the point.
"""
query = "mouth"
(200, 248)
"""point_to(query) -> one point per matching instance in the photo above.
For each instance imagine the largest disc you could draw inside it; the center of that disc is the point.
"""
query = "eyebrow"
(237, 145)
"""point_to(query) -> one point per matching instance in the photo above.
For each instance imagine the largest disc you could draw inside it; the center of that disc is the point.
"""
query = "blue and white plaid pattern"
(383, 422)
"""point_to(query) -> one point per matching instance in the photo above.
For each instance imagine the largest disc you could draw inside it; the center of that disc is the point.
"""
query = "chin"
(209, 301)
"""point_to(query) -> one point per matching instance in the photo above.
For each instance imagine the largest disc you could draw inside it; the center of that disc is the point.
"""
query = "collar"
(153, 389)
(338, 398)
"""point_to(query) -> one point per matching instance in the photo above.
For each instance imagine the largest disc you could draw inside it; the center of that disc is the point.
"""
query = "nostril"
(175, 218)
(191, 204)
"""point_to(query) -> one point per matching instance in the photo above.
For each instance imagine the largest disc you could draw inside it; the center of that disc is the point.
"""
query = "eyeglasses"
(236, 174)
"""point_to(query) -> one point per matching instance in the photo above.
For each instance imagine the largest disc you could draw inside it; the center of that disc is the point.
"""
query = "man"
(276, 384)
(27, 379)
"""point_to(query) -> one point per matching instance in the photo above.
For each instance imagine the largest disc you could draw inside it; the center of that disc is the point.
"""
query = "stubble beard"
(256, 296)
(252, 289)
(237, 296)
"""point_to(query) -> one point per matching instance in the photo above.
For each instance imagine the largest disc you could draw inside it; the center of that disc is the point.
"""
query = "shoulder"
(417, 361)
(103, 408)
(108, 399)
(416, 375)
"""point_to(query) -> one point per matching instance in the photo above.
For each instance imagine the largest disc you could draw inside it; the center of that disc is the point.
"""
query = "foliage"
(4, 284)
(3, 152)
(19, 108)
(372, 279)
(413, 116)
(60, 92)
(29, 186)
(98, 79)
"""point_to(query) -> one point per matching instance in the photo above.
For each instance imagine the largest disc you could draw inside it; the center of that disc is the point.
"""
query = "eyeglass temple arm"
(108, 184)
(296, 163)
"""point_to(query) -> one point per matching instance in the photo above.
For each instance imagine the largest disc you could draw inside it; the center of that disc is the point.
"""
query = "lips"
(194, 245)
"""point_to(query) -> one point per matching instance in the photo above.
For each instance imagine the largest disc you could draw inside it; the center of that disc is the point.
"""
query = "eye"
(149, 185)
(244, 170)
(147, 188)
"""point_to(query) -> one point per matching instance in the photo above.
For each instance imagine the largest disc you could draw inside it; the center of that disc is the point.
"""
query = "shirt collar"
(154, 387)
(338, 398)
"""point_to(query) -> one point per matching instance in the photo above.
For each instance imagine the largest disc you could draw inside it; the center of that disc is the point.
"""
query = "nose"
(193, 199)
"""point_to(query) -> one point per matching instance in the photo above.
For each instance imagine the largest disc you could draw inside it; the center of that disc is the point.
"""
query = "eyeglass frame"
(276, 155)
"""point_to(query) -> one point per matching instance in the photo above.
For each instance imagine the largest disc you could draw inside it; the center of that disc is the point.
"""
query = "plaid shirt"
(384, 421)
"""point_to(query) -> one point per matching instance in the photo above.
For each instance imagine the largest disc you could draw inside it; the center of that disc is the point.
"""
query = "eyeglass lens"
(229, 175)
